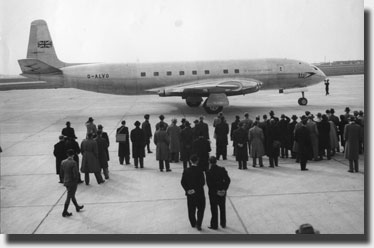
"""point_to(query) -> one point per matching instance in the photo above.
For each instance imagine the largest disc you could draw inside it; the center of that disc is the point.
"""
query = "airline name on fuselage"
(100, 75)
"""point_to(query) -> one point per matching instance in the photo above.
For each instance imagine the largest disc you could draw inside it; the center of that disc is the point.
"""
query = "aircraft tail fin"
(41, 46)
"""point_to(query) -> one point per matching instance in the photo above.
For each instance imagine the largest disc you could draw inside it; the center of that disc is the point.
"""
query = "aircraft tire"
(302, 101)
(193, 104)
(213, 110)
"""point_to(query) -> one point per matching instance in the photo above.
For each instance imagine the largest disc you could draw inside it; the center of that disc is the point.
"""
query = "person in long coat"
(302, 137)
(313, 132)
(352, 137)
(162, 118)
(295, 147)
(342, 123)
(174, 133)
(124, 146)
(290, 135)
(91, 127)
(90, 161)
(264, 125)
(162, 141)
(334, 142)
(221, 132)
(201, 147)
(234, 126)
(72, 144)
(59, 152)
(105, 136)
(241, 141)
(324, 137)
(273, 142)
(283, 123)
(256, 141)
(186, 144)
(138, 145)
(102, 148)
(201, 128)
(68, 131)
(147, 129)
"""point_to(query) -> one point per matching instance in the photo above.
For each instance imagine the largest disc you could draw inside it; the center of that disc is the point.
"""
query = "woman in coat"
(90, 162)
(186, 144)
(256, 141)
(138, 145)
(162, 141)
(124, 146)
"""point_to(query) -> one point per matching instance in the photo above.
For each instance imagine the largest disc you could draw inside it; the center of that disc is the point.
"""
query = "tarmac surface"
(147, 201)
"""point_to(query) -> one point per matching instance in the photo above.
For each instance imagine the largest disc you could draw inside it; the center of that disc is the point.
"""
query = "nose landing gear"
(302, 100)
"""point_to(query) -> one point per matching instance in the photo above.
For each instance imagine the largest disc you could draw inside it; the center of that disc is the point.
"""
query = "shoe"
(80, 181)
(136, 167)
(351, 171)
(79, 208)
(223, 226)
(127, 163)
(60, 182)
(272, 166)
(103, 181)
(199, 228)
(193, 226)
(64, 214)
(356, 170)
(214, 228)
(168, 170)
(261, 165)
(150, 152)
(141, 167)
(254, 166)
(161, 170)
(304, 169)
(107, 177)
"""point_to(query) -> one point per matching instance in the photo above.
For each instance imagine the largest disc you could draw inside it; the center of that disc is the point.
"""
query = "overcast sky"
(185, 30)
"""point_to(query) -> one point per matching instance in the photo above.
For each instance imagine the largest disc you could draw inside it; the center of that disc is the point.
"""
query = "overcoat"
(201, 147)
(256, 141)
(241, 141)
(323, 134)
(162, 141)
(272, 140)
(60, 153)
(102, 147)
(147, 129)
(302, 138)
(334, 142)
(90, 153)
(124, 147)
(174, 133)
(186, 143)
(352, 136)
(221, 131)
(138, 143)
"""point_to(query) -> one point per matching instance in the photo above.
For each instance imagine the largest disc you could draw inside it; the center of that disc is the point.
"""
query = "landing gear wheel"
(213, 109)
(302, 101)
(193, 104)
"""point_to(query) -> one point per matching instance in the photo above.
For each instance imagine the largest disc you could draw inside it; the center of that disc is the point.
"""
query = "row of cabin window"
(181, 73)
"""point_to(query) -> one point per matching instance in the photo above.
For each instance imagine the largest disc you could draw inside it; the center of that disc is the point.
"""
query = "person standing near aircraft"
(290, 135)
(302, 137)
(91, 127)
(221, 131)
(161, 117)
(234, 126)
(59, 152)
(352, 137)
(147, 129)
(162, 141)
(69, 172)
(241, 141)
(202, 128)
(138, 145)
(273, 142)
(105, 136)
(186, 144)
(102, 148)
(284, 135)
(201, 147)
(72, 144)
(324, 138)
(173, 132)
(256, 141)
(193, 182)
(68, 131)
(248, 123)
(218, 182)
(313, 132)
(124, 146)
(327, 83)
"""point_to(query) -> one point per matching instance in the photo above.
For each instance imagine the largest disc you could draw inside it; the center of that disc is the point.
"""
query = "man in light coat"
(256, 141)
(162, 141)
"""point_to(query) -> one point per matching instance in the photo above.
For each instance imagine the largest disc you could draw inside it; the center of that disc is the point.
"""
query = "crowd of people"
(314, 137)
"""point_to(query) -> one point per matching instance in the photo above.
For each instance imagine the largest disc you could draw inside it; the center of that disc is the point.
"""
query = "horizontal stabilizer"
(35, 66)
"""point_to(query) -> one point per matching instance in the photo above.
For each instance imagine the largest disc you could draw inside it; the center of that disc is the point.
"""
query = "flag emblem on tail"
(44, 44)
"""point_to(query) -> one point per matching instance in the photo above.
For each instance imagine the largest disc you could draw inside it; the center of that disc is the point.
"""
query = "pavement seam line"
(237, 213)
(41, 222)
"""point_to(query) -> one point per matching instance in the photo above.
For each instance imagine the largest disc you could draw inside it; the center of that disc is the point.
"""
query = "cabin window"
(168, 73)
(181, 73)
(142, 74)
(194, 72)
(156, 74)
(225, 71)
(206, 71)
(236, 71)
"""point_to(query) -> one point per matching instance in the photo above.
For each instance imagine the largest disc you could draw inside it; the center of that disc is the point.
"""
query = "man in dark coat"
(124, 146)
(327, 83)
(147, 130)
(102, 148)
(324, 137)
(73, 145)
(162, 118)
(234, 126)
(241, 142)
(105, 136)
(193, 184)
(352, 137)
(138, 145)
(69, 172)
(221, 131)
(60, 153)
(218, 182)
(283, 123)
(162, 141)
(90, 162)
(202, 128)
(201, 147)
(342, 123)
(264, 126)
(68, 131)
(273, 142)
(302, 137)
(186, 144)
(290, 135)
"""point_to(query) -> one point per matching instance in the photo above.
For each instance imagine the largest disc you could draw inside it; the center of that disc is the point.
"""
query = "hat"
(137, 123)
(352, 118)
(196, 121)
(303, 117)
(237, 117)
(246, 114)
(123, 122)
(347, 109)
(307, 113)
(294, 117)
(183, 120)
(100, 126)
(201, 117)
(328, 111)
(174, 120)
(306, 229)
(187, 123)
(67, 123)
(161, 117)
(213, 160)
(283, 116)
(90, 119)
(332, 111)
(271, 112)
(146, 116)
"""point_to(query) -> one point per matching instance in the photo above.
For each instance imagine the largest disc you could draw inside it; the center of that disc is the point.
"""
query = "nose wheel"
(302, 100)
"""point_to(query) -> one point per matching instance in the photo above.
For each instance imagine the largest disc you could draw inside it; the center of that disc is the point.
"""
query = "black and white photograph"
(221, 119)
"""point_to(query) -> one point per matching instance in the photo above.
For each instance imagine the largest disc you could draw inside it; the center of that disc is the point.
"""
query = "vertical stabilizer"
(41, 46)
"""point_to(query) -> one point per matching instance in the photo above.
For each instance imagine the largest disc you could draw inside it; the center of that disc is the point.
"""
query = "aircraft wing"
(229, 86)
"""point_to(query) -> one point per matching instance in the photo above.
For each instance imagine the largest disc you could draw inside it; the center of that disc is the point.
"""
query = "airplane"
(192, 81)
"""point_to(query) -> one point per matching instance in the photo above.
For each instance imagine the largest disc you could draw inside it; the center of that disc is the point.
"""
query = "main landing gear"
(302, 100)
(212, 109)
(194, 102)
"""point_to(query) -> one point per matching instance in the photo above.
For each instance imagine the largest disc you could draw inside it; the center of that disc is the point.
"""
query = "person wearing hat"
(290, 135)
(221, 132)
(174, 133)
(241, 141)
(183, 122)
(336, 122)
(138, 145)
(161, 117)
(313, 132)
(202, 128)
(91, 127)
(256, 141)
(68, 131)
(347, 113)
(352, 137)
(147, 130)
(302, 137)
(218, 182)
(70, 174)
(324, 142)
(59, 152)
(162, 141)
(186, 144)
(102, 151)
(193, 182)
(273, 142)
(194, 130)
(105, 136)
(283, 123)
(72, 144)
(234, 126)
(201, 147)
(306, 229)
(124, 146)
(217, 119)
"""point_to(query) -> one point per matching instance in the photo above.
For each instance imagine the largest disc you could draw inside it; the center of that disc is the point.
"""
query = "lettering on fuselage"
(98, 76)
